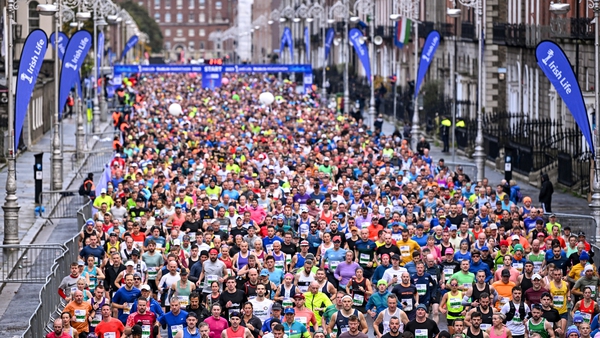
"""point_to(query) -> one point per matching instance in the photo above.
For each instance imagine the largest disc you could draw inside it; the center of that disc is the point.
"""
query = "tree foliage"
(145, 23)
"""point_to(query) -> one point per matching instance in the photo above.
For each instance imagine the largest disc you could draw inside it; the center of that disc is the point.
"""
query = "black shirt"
(428, 324)
(551, 315)
(238, 298)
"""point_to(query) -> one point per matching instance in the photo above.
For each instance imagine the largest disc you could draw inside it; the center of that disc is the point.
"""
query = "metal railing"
(577, 223)
(50, 303)
(95, 162)
(103, 139)
(61, 204)
(29, 263)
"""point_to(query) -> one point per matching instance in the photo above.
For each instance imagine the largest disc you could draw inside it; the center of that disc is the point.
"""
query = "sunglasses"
(453, 284)
(137, 278)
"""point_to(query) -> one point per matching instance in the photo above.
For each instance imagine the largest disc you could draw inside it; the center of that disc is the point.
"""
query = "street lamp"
(455, 14)
(81, 17)
(367, 7)
(479, 154)
(317, 11)
(56, 182)
(559, 9)
(410, 9)
(339, 11)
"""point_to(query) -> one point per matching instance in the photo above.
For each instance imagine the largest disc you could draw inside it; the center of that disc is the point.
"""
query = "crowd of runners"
(234, 219)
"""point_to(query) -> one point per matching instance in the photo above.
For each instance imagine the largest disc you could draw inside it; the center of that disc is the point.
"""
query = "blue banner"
(100, 52)
(328, 41)
(32, 57)
(132, 41)
(431, 44)
(77, 50)
(63, 40)
(286, 40)
(362, 50)
(111, 56)
(307, 43)
(155, 69)
(555, 64)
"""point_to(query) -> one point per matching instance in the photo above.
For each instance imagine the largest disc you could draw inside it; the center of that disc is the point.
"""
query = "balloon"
(225, 81)
(266, 98)
(175, 109)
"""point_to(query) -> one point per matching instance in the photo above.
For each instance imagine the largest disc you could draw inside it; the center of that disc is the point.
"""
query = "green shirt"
(463, 279)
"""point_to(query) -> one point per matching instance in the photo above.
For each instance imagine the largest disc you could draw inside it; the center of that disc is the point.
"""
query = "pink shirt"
(216, 326)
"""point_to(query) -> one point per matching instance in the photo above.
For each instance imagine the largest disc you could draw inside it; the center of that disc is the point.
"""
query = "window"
(167, 17)
(179, 4)
(167, 32)
(202, 32)
(167, 4)
(157, 17)
(202, 18)
(191, 45)
(179, 32)
(218, 45)
(167, 45)
(218, 5)
(34, 16)
(201, 3)
(179, 17)
(191, 5)
(156, 4)
(201, 45)
(191, 17)
(191, 33)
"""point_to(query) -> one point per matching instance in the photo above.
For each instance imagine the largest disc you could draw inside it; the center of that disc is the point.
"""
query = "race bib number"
(593, 288)
(152, 271)
(127, 309)
(96, 320)
(211, 278)
(448, 272)
(269, 247)
(175, 329)
(408, 305)
(279, 265)
(146, 331)
(288, 259)
(73, 289)
(587, 318)
(423, 333)
(405, 251)
(302, 320)
(287, 303)
(358, 300)
(421, 289)
(518, 266)
(364, 258)
(558, 301)
(484, 327)
(184, 301)
(80, 316)
(333, 266)
(537, 267)
(110, 335)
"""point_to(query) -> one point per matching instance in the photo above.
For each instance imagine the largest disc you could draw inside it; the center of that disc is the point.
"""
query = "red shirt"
(148, 319)
(63, 335)
(112, 326)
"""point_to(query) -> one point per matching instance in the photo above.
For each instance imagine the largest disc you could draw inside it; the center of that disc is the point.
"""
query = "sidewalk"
(29, 224)
(562, 202)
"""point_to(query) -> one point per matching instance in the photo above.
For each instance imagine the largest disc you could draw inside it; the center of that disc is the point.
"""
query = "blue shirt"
(123, 296)
(168, 320)
(268, 242)
(422, 241)
(332, 255)
(266, 327)
(276, 276)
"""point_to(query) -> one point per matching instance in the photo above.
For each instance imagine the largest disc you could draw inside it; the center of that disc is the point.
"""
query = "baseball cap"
(130, 263)
(493, 226)
(80, 262)
(183, 272)
(449, 251)
(177, 206)
(337, 239)
(484, 248)
(276, 306)
(90, 222)
(304, 243)
(103, 191)
(299, 296)
(536, 276)
(145, 287)
(396, 256)
(264, 272)
(505, 273)
(176, 241)
(289, 310)
(234, 314)
(588, 267)
(135, 252)
(453, 227)
(515, 237)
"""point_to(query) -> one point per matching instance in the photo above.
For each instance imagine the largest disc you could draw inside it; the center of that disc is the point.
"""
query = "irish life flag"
(402, 34)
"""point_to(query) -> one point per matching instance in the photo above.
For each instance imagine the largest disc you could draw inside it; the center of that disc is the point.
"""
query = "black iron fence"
(533, 144)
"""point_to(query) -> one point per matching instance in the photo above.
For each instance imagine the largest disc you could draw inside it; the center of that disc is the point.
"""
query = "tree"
(145, 23)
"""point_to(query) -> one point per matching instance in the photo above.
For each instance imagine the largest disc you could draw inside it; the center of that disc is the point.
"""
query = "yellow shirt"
(559, 296)
(106, 199)
(577, 271)
(406, 250)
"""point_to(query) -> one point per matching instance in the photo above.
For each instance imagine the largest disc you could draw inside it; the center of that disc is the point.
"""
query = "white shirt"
(516, 325)
(262, 310)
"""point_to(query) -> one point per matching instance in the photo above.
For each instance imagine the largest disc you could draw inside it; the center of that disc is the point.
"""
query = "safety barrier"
(28, 263)
(50, 303)
(95, 162)
(61, 204)
(468, 169)
(104, 139)
(577, 223)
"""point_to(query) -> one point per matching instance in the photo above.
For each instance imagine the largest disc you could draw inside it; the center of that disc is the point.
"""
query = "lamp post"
(410, 9)
(318, 12)
(340, 11)
(455, 14)
(479, 154)
(367, 7)
(79, 133)
(563, 8)
(56, 183)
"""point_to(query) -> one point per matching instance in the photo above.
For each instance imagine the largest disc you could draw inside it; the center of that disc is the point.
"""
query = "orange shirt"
(81, 314)
(504, 292)
(112, 326)
(374, 231)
